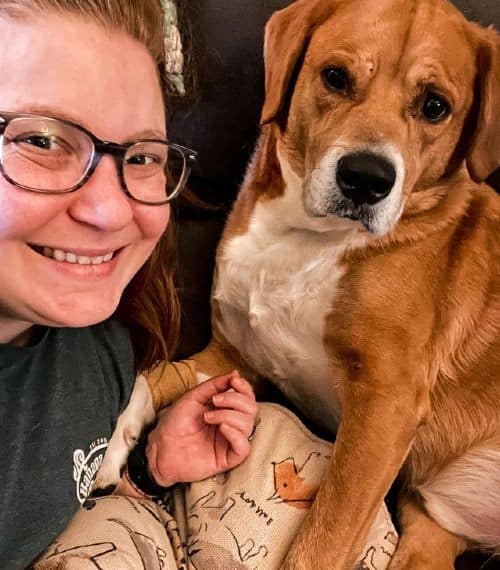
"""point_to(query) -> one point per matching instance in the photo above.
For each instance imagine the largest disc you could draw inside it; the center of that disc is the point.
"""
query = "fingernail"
(218, 399)
(209, 415)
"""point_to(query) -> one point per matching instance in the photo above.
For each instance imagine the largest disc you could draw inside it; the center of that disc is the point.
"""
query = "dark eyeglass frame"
(101, 148)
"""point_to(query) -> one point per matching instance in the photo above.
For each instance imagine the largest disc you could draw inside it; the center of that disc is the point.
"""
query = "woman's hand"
(204, 433)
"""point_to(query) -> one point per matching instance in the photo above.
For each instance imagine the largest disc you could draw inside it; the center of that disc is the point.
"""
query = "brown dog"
(359, 269)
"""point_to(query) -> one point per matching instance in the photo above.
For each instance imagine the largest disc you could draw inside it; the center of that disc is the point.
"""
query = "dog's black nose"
(365, 178)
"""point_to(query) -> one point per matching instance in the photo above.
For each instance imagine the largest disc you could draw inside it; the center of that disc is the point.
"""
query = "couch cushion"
(485, 12)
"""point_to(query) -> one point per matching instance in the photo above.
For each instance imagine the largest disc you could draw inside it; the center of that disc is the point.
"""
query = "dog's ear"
(286, 36)
(484, 153)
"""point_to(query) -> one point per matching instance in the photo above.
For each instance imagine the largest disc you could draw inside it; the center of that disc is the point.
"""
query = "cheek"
(24, 212)
(12, 216)
(436, 153)
(152, 220)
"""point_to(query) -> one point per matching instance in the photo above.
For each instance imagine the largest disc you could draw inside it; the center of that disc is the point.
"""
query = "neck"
(14, 332)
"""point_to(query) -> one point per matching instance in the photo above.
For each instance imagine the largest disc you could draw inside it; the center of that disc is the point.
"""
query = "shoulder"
(113, 347)
(103, 355)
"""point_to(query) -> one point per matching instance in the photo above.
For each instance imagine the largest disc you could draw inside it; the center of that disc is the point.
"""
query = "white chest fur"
(275, 287)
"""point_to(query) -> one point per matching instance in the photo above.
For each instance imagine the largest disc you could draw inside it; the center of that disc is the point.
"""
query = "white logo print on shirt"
(85, 467)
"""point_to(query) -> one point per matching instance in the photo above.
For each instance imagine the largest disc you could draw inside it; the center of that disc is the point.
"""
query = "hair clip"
(174, 57)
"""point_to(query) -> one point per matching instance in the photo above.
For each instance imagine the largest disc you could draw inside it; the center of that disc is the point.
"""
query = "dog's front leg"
(377, 429)
(171, 379)
(138, 414)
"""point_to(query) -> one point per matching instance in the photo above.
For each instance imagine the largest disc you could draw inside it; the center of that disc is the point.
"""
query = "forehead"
(397, 36)
(102, 79)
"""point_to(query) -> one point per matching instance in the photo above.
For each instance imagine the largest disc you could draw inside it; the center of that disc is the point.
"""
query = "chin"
(81, 313)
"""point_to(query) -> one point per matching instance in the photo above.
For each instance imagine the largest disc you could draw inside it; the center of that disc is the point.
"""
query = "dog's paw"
(405, 560)
(138, 414)
(107, 478)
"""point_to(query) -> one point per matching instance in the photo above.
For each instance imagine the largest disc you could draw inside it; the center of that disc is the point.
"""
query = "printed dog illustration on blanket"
(297, 486)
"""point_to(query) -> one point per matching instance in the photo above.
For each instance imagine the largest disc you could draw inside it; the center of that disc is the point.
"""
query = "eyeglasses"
(54, 156)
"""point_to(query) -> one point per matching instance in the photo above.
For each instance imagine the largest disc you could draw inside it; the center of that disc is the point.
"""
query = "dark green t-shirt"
(59, 400)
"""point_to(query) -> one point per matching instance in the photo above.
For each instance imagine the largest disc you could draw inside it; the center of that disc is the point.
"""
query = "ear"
(484, 154)
(286, 36)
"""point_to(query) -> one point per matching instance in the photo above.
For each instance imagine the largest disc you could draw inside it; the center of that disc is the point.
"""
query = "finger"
(242, 386)
(237, 420)
(236, 401)
(204, 392)
(240, 446)
(222, 448)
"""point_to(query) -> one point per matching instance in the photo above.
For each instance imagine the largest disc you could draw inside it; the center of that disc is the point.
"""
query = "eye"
(143, 159)
(435, 108)
(39, 141)
(336, 78)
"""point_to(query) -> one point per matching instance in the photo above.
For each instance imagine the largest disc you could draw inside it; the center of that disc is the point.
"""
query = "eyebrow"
(57, 114)
(433, 71)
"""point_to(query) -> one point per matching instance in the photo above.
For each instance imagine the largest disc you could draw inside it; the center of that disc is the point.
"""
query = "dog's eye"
(336, 78)
(435, 108)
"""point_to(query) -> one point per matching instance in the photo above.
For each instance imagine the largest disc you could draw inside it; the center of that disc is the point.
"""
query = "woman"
(84, 235)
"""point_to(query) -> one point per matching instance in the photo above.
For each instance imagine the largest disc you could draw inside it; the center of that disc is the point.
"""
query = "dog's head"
(378, 102)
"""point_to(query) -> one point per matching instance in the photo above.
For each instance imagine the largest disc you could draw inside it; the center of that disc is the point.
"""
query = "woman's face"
(105, 81)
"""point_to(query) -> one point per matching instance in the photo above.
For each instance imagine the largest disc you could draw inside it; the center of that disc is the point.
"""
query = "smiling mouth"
(70, 257)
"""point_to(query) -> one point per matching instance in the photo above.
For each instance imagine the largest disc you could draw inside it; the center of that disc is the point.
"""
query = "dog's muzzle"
(365, 177)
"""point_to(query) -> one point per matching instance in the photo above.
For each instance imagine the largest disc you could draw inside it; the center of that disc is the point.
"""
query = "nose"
(365, 177)
(101, 201)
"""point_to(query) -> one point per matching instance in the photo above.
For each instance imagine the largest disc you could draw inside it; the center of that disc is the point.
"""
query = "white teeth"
(59, 255)
(70, 257)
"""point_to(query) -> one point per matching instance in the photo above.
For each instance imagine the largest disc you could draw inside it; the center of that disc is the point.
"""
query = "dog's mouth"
(334, 207)
(375, 220)
(363, 186)
(363, 214)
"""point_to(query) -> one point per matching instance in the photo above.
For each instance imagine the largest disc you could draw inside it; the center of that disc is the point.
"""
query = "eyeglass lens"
(48, 155)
